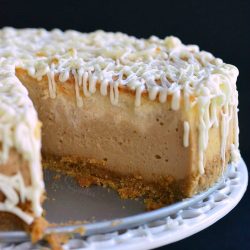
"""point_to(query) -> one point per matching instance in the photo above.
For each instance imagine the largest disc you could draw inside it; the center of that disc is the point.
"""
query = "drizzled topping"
(159, 66)
(186, 134)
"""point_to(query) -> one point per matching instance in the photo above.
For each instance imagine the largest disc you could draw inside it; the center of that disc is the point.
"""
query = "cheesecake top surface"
(153, 65)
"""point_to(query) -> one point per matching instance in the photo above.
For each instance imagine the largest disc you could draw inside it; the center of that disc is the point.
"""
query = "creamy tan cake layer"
(128, 140)
(146, 141)
(16, 164)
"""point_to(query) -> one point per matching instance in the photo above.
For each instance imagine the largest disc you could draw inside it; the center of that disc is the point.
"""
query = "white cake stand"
(179, 225)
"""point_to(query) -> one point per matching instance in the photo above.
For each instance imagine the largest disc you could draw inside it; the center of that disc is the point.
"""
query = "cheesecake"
(151, 118)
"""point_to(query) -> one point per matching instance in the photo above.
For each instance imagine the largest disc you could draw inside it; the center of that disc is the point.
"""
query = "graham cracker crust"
(10, 222)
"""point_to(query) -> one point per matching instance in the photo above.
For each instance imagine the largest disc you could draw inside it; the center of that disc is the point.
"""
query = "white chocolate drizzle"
(161, 68)
(186, 134)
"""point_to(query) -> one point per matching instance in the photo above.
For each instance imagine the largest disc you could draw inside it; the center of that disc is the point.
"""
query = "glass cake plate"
(113, 223)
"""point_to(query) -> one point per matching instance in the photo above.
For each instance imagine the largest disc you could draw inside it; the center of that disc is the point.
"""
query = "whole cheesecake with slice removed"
(151, 118)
